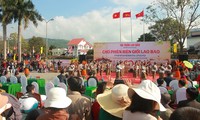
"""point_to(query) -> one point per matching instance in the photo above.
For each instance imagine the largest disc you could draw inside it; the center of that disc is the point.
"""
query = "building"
(78, 46)
(193, 41)
(193, 38)
(58, 51)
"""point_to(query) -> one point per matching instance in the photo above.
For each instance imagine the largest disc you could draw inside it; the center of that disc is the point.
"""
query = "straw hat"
(148, 90)
(4, 100)
(115, 101)
(57, 98)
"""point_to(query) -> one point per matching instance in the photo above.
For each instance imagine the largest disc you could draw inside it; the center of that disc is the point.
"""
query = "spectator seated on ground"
(113, 102)
(81, 105)
(30, 91)
(18, 76)
(176, 73)
(185, 113)
(55, 105)
(62, 77)
(161, 76)
(28, 104)
(26, 71)
(168, 78)
(10, 107)
(191, 94)
(5, 73)
(145, 102)
(95, 106)
(180, 93)
(160, 83)
(32, 115)
(165, 100)
(92, 80)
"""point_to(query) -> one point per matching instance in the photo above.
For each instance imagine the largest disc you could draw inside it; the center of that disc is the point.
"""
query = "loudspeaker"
(81, 58)
(183, 57)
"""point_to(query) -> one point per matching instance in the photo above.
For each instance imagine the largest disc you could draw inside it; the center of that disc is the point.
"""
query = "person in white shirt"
(154, 70)
(118, 70)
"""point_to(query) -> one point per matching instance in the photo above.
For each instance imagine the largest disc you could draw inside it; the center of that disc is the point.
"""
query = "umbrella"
(188, 64)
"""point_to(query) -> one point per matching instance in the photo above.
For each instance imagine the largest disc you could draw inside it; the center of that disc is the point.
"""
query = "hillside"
(59, 43)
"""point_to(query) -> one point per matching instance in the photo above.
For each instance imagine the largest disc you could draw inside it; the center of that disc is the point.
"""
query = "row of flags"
(127, 15)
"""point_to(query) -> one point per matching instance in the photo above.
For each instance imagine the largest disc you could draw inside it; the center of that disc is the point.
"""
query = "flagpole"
(143, 32)
(143, 29)
(131, 26)
(120, 25)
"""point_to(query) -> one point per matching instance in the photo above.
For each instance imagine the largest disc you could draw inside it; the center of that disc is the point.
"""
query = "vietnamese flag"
(126, 14)
(116, 15)
(141, 14)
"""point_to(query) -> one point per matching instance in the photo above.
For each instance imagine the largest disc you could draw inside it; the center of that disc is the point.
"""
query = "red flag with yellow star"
(126, 14)
(141, 14)
(116, 15)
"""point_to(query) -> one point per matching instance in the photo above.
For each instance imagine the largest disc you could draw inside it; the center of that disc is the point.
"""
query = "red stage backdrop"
(129, 52)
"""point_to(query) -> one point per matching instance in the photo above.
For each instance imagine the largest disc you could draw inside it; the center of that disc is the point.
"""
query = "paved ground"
(46, 76)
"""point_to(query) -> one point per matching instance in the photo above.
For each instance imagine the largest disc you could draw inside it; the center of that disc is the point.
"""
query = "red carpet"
(127, 76)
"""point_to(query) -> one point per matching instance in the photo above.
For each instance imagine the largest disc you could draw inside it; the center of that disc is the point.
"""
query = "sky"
(88, 19)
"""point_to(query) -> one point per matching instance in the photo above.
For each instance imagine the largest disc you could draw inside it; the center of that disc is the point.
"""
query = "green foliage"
(52, 47)
(166, 29)
(6, 15)
(148, 37)
(24, 10)
(90, 52)
(36, 43)
(25, 45)
(58, 43)
(184, 15)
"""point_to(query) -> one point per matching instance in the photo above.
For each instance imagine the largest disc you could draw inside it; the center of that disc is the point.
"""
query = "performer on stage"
(154, 70)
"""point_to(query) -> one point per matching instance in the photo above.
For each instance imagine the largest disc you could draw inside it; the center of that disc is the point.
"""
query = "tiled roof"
(75, 41)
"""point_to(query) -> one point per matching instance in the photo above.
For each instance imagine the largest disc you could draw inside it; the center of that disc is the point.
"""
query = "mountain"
(59, 43)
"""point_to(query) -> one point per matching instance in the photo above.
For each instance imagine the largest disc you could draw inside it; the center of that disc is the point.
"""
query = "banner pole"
(131, 27)
(120, 25)
(143, 29)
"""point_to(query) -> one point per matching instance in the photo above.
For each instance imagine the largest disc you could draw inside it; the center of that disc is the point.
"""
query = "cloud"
(94, 26)
(132, 3)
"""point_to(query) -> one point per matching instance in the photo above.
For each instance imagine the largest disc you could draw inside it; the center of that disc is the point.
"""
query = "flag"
(175, 47)
(33, 50)
(116, 15)
(126, 14)
(41, 50)
(141, 14)
(14, 57)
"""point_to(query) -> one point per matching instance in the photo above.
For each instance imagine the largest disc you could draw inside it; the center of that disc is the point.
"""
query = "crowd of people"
(117, 100)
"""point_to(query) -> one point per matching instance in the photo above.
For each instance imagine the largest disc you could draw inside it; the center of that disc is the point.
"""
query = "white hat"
(28, 104)
(57, 98)
(110, 100)
(148, 90)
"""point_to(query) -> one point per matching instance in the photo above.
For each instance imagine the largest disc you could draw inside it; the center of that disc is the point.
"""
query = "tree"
(24, 11)
(6, 17)
(36, 43)
(185, 12)
(148, 37)
(90, 52)
(166, 29)
(52, 47)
